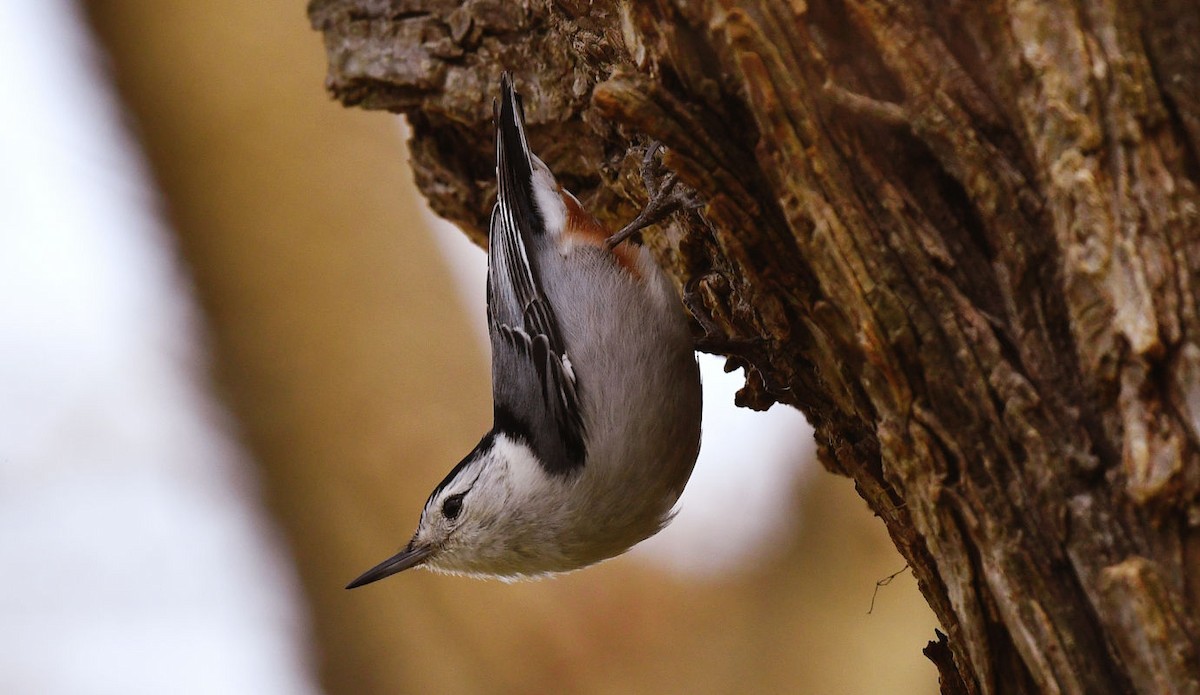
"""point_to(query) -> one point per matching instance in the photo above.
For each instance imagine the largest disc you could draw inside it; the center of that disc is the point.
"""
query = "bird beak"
(410, 557)
(513, 166)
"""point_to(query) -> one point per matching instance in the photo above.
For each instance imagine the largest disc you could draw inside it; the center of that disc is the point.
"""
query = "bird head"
(483, 519)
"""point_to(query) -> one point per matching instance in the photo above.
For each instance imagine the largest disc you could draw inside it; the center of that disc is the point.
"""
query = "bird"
(595, 385)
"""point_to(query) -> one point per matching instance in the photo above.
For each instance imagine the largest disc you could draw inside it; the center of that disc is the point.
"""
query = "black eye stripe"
(452, 506)
(484, 445)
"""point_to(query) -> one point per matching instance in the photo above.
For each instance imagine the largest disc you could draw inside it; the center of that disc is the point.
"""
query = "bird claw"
(666, 197)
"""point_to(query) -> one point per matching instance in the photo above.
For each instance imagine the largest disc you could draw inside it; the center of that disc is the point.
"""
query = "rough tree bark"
(962, 237)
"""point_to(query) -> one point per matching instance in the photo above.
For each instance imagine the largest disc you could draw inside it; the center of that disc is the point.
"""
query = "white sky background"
(133, 555)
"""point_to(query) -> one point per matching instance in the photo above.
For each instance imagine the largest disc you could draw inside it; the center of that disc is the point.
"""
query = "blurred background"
(236, 353)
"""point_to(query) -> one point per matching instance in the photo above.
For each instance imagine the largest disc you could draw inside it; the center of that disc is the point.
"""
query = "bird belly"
(639, 388)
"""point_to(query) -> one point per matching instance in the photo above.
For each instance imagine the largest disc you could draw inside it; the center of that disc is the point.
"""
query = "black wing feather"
(534, 389)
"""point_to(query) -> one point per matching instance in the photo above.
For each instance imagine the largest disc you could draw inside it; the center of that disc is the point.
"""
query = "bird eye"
(452, 506)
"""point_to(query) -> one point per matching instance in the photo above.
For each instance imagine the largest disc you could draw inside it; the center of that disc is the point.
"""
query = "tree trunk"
(962, 237)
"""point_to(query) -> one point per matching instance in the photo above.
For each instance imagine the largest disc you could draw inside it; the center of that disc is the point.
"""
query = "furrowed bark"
(963, 238)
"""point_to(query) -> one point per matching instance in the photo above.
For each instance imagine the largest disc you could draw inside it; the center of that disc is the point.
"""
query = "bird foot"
(667, 196)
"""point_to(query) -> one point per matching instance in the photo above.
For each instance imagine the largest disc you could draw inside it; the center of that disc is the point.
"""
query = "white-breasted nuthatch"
(595, 386)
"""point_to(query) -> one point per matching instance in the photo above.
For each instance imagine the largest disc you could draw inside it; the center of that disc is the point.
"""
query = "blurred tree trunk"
(259, 175)
(962, 237)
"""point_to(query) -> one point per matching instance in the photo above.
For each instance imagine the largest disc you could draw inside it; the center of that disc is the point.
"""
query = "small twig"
(882, 583)
(886, 112)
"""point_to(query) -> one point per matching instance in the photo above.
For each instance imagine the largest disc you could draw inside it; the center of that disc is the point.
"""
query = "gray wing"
(533, 386)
